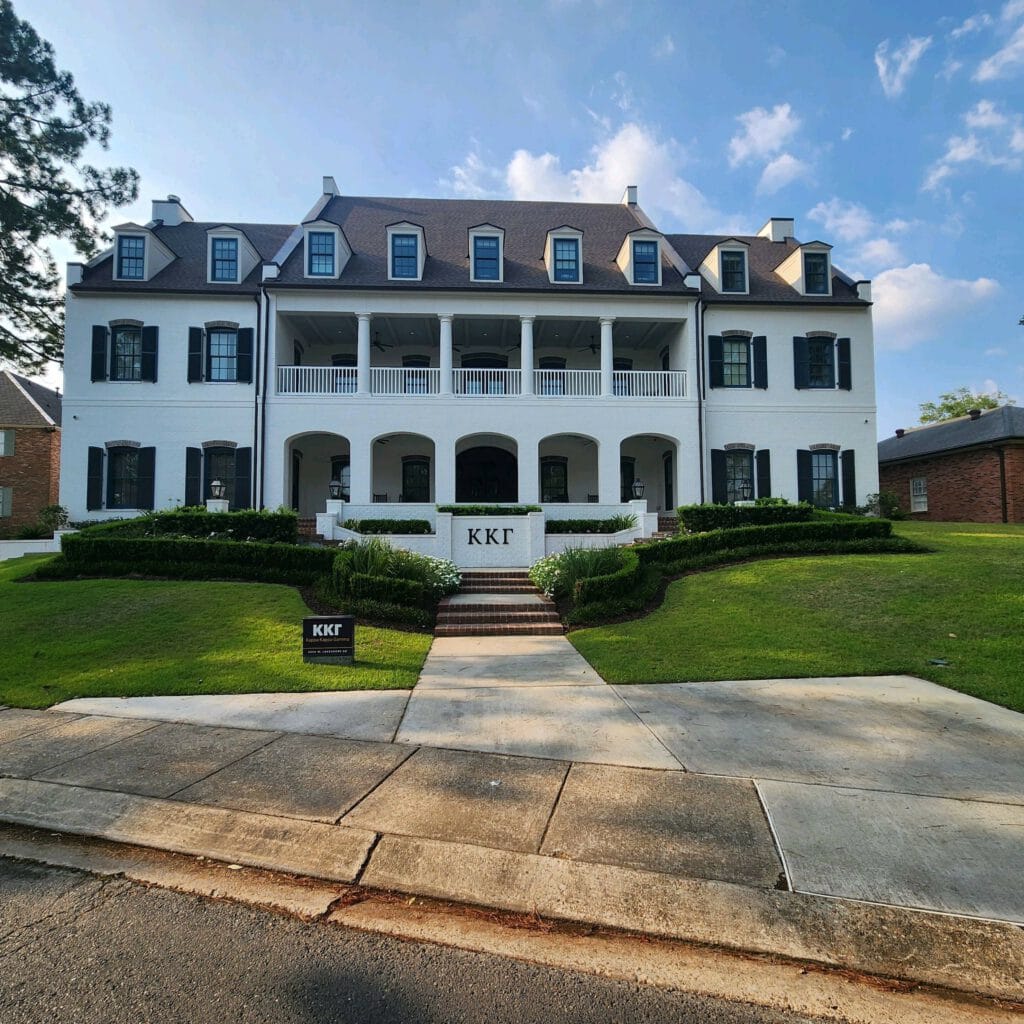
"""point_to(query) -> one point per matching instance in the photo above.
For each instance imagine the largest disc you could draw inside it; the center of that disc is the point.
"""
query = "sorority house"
(398, 354)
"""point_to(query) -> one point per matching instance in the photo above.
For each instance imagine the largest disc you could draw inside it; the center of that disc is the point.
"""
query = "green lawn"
(840, 615)
(121, 638)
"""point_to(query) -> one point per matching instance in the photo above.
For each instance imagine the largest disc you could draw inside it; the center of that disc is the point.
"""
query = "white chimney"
(629, 196)
(170, 211)
(864, 290)
(330, 186)
(778, 229)
(75, 271)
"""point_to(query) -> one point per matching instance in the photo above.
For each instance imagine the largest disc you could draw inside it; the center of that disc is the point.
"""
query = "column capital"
(609, 320)
(527, 319)
(364, 317)
(449, 317)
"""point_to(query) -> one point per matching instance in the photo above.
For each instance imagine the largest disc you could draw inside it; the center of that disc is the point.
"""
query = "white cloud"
(850, 222)
(622, 95)
(537, 177)
(996, 352)
(984, 115)
(1012, 10)
(1005, 60)
(913, 303)
(971, 25)
(995, 150)
(880, 252)
(847, 134)
(1017, 139)
(663, 48)
(777, 56)
(764, 133)
(897, 225)
(950, 66)
(474, 179)
(780, 172)
(895, 71)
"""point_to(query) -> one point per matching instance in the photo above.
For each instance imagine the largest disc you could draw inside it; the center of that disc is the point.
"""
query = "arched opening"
(311, 462)
(649, 469)
(403, 469)
(567, 464)
(486, 469)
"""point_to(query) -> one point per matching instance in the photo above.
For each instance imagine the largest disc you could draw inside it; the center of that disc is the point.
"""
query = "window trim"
(5, 448)
(832, 451)
(208, 355)
(827, 291)
(739, 339)
(488, 232)
(918, 495)
(399, 230)
(324, 233)
(733, 251)
(131, 236)
(655, 263)
(574, 239)
(212, 264)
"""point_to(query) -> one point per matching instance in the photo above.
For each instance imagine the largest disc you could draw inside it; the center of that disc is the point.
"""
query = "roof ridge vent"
(900, 431)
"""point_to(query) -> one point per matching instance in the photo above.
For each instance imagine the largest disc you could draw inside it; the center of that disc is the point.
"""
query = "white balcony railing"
(316, 380)
(649, 383)
(567, 383)
(486, 382)
(405, 380)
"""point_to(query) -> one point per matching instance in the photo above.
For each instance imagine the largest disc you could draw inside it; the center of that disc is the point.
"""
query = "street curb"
(935, 949)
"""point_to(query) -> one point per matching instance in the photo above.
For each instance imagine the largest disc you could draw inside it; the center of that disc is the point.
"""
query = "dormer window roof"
(138, 254)
(230, 256)
(563, 255)
(639, 257)
(406, 252)
(486, 253)
(326, 250)
(131, 257)
(727, 267)
(808, 268)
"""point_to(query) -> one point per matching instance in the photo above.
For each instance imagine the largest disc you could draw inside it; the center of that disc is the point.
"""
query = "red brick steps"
(497, 603)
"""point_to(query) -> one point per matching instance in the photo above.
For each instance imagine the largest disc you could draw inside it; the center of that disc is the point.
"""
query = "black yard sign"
(329, 639)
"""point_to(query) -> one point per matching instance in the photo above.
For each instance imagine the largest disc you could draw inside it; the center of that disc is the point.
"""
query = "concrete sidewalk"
(673, 853)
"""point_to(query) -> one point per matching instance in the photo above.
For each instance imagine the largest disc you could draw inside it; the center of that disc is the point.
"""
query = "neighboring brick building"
(970, 469)
(29, 450)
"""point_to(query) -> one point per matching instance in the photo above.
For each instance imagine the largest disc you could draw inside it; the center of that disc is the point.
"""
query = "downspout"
(701, 308)
(1001, 452)
(257, 447)
(263, 415)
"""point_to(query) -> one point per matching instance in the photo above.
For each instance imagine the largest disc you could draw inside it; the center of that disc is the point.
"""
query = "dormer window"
(567, 259)
(131, 257)
(816, 275)
(734, 270)
(645, 262)
(224, 260)
(486, 257)
(320, 249)
(405, 256)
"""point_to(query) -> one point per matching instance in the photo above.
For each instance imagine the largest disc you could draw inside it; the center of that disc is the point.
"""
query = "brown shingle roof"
(21, 399)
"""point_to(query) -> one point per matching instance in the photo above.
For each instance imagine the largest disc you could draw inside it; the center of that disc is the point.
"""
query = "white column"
(526, 353)
(446, 353)
(444, 469)
(361, 462)
(608, 476)
(607, 355)
(529, 471)
(363, 355)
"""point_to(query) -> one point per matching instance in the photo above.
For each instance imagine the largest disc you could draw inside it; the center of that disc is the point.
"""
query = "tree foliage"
(959, 403)
(47, 190)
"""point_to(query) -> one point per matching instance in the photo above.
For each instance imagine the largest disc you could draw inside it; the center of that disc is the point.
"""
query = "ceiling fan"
(377, 343)
(592, 345)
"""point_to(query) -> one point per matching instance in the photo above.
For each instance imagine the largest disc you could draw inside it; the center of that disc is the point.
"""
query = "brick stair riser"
(501, 630)
(499, 620)
(496, 581)
(510, 588)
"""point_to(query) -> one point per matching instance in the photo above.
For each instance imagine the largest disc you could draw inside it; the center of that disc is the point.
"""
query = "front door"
(484, 475)
(669, 482)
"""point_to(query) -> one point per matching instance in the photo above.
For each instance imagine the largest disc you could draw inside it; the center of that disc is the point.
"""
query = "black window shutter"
(717, 361)
(193, 476)
(147, 474)
(99, 353)
(150, 336)
(243, 478)
(719, 487)
(804, 479)
(244, 350)
(763, 460)
(94, 486)
(849, 475)
(801, 363)
(760, 362)
(845, 375)
(195, 355)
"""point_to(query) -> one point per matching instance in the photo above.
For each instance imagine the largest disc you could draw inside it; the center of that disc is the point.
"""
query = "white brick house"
(424, 352)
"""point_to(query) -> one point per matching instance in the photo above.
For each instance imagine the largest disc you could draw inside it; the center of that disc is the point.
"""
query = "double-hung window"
(321, 253)
(739, 475)
(825, 479)
(821, 363)
(567, 259)
(224, 257)
(734, 270)
(485, 258)
(405, 256)
(123, 478)
(919, 494)
(131, 257)
(816, 273)
(6, 442)
(126, 356)
(645, 262)
(222, 355)
(736, 363)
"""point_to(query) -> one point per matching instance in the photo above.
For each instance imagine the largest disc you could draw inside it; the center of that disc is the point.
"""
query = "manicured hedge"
(489, 510)
(162, 556)
(61, 569)
(612, 586)
(702, 518)
(245, 524)
(610, 525)
(389, 589)
(374, 526)
(676, 549)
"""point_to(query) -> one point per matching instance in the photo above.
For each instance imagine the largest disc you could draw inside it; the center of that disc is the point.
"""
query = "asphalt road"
(74, 948)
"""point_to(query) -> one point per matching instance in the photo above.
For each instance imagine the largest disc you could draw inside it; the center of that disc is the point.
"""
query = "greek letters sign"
(493, 541)
(482, 535)
(329, 639)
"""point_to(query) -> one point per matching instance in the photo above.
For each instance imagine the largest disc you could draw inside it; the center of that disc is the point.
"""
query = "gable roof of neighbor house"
(993, 426)
(24, 403)
(763, 258)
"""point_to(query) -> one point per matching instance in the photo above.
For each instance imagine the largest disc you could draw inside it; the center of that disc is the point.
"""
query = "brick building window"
(919, 494)
(6, 501)
(6, 442)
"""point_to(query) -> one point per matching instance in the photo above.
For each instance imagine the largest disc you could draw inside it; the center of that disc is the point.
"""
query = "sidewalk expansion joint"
(554, 806)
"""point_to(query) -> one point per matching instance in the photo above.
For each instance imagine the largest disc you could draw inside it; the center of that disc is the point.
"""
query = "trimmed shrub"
(647, 586)
(244, 525)
(621, 583)
(489, 510)
(610, 525)
(373, 526)
(703, 518)
(389, 589)
(391, 614)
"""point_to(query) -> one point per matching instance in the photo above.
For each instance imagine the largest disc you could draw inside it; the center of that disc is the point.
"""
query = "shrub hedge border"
(702, 518)
(376, 526)
(245, 524)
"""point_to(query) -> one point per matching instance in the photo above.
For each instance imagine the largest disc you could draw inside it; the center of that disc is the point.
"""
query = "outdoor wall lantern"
(218, 490)
(746, 492)
(335, 489)
(638, 488)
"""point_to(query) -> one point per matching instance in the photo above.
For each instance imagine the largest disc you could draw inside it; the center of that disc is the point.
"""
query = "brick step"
(502, 629)
(493, 608)
(475, 576)
(499, 619)
(498, 588)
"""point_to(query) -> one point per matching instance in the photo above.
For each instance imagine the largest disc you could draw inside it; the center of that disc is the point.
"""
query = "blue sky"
(894, 131)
